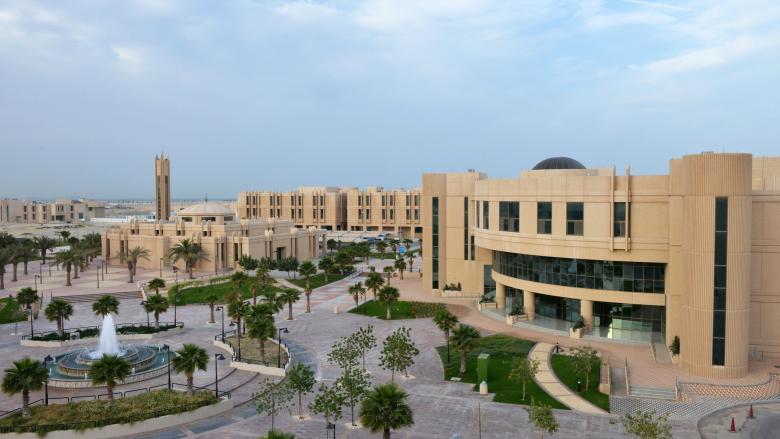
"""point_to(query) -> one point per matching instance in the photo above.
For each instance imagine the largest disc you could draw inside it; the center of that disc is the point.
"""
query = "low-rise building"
(376, 209)
(321, 207)
(62, 210)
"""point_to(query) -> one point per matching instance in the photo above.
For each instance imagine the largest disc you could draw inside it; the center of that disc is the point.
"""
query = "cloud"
(705, 57)
(306, 11)
(132, 56)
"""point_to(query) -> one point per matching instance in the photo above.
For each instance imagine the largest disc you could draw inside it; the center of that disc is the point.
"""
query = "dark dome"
(558, 163)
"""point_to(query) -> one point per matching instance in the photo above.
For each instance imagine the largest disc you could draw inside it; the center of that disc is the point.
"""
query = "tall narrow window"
(719, 299)
(485, 215)
(574, 219)
(544, 218)
(620, 219)
(509, 216)
(466, 228)
(435, 243)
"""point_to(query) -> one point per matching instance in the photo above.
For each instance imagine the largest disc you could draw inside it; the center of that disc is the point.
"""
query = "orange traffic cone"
(733, 427)
(750, 413)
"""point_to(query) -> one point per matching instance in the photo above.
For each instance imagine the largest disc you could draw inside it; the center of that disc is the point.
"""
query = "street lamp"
(330, 428)
(35, 279)
(48, 359)
(97, 278)
(175, 301)
(279, 346)
(168, 349)
(30, 313)
(161, 262)
(143, 303)
(222, 310)
(40, 272)
(217, 358)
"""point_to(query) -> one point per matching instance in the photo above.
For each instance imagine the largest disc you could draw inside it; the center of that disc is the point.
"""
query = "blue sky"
(274, 94)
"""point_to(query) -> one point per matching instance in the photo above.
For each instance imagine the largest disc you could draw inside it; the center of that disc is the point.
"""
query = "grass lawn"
(10, 311)
(317, 280)
(502, 349)
(197, 295)
(563, 366)
(250, 350)
(399, 310)
(88, 413)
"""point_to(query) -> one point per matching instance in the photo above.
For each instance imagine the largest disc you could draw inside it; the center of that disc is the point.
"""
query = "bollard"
(733, 427)
(483, 389)
(750, 412)
(335, 309)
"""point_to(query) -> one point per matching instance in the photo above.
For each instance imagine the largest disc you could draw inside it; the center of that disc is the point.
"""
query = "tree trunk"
(392, 375)
(157, 320)
(110, 394)
(192, 276)
(25, 267)
(402, 274)
(14, 278)
(524, 390)
(67, 277)
(75, 271)
(211, 308)
(43, 255)
(308, 302)
(262, 351)
(300, 405)
(587, 379)
(389, 316)
(2, 281)
(25, 403)
(130, 271)
(462, 363)
(254, 295)
(386, 433)
(289, 311)
(189, 384)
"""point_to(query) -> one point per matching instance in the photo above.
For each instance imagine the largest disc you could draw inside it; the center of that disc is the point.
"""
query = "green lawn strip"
(197, 295)
(317, 280)
(10, 311)
(563, 366)
(503, 350)
(399, 310)
(250, 350)
(129, 409)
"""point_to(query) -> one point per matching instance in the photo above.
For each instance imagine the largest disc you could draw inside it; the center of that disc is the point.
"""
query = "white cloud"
(305, 11)
(8, 17)
(706, 57)
(128, 55)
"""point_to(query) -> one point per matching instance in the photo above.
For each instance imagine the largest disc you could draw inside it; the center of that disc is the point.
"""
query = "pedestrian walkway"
(549, 382)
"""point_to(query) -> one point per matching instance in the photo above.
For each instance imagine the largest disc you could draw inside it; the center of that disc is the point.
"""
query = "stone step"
(80, 298)
(653, 392)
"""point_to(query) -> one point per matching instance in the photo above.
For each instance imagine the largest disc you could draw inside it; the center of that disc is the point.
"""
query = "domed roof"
(559, 163)
(208, 208)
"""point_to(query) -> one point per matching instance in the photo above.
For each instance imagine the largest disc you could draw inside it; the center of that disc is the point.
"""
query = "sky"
(273, 94)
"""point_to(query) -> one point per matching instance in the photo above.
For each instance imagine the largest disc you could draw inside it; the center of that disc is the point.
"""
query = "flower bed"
(95, 332)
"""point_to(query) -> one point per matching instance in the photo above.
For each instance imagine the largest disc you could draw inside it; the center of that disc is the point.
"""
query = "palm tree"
(374, 282)
(385, 408)
(67, 259)
(188, 359)
(156, 284)
(262, 281)
(410, 260)
(43, 244)
(25, 252)
(464, 339)
(394, 245)
(6, 254)
(237, 310)
(156, 304)
(327, 265)
(307, 270)
(388, 295)
(6, 239)
(356, 291)
(400, 265)
(26, 375)
(14, 251)
(105, 305)
(381, 246)
(108, 370)
(408, 243)
(389, 270)
(27, 297)
(288, 297)
(239, 279)
(446, 321)
(260, 326)
(190, 252)
(78, 261)
(211, 299)
(132, 258)
(58, 311)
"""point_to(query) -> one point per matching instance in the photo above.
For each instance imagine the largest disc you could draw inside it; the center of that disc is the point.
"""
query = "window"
(392, 215)
(384, 215)
(322, 214)
(544, 218)
(416, 200)
(720, 272)
(466, 228)
(620, 219)
(509, 216)
(435, 243)
(574, 219)
(408, 214)
(417, 214)
(383, 200)
(485, 215)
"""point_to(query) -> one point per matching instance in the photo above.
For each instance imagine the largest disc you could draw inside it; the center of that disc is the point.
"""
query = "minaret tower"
(162, 186)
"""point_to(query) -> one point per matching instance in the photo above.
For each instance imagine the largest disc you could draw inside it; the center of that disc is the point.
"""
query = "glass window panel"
(719, 324)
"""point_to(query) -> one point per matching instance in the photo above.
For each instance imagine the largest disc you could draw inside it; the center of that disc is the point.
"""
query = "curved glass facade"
(636, 277)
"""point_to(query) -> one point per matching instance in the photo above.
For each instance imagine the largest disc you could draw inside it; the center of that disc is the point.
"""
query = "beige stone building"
(322, 207)
(694, 253)
(62, 210)
(395, 210)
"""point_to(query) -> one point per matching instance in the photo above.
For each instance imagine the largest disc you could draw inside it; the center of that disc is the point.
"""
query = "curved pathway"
(549, 382)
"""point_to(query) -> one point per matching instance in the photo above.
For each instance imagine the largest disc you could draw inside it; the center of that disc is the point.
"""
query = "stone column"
(500, 296)
(586, 311)
(528, 304)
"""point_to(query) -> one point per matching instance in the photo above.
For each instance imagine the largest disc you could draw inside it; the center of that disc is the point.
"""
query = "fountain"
(72, 368)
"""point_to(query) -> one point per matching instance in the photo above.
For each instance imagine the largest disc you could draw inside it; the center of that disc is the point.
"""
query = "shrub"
(675, 346)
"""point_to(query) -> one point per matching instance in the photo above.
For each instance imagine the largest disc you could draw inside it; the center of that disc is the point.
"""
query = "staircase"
(80, 298)
(667, 393)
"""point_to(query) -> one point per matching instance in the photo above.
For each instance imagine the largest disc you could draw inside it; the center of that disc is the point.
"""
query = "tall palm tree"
(260, 326)
(188, 359)
(288, 297)
(374, 282)
(14, 251)
(400, 265)
(24, 376)
(389, 270)
(25, 252)
(356, 291)
(109, 370)
(464, 339)
(262, 280)
(446, 321)
(211, 299)
(327, 265)
(385, 408)
(156, 304)
(79, 257)
(239, 279)
(409, 260)
(381, 246)
(67, 259)
(408, 243)
(388, 295)
(238, 310)
(132, 258)
(105, 305)
(394, 245)
(43, 244)
(27, 297)
(6, 254)
(6, 239)
(307, 270)
(58, 311)
(93, 243)
(190, 252)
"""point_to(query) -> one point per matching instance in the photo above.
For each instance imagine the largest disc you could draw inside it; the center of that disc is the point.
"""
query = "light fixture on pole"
(168, 349)
(279, 346)
(221, 309)
(217, 358)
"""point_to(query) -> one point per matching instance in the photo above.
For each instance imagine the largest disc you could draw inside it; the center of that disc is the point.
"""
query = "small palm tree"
(356, 291)
(237, 311)
(410, 260)
(374, 282)
(262, 281)
(400, 265)
(156, 284)
(27, 297)
(327, 265)
(109, 370)
(25, 252)
(288, 297)
(464, 339)
(43, 244)
(276, 434)
(6, 255)
(106, 305)
(381, 246)
(446, 321)
(68, 259)
(156, 304)
(389, 270)
(58, 311)
(385, 408)
(307, 270)
(388, 295)
(260, 326)
(212, 299)
(188, 359)
(190, 252)
(24, 376)
(132, 258)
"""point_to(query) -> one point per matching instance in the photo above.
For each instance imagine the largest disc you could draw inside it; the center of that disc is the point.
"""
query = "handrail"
(118, 326)
(628, 382)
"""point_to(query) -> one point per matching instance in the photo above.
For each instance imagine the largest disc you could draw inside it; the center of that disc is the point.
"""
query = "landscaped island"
(399, 309)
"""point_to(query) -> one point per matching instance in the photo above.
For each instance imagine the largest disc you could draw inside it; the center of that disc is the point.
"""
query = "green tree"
(188, 359)
(381, 246)
(344, 353)
(327, 265)
(237, 311)
(398, 352)
(25, 252)
(327, 402)
(43, 244)
(388, 295)
(157, 305)
(190, 252)
(523, 369)
(68, 259)
(300, 378)
(14, 251)
(156, 284)
(389, 270)
(647, 425)
(105, 305)
(6, 255)
(65, 236)
(585, 359)
(464, 339)
(247, 262)
(374, 282)
(260, 326)
(363, 340)
(288, 264)
(307, 270)
(289, 296)
(385, 408)
(27, 297)
(331, 244)
(133, 256)
(272, 398)
(212, 299)
(356, 291)
(394, 245)
(239, 279)
(344, 261)
(353, 384)
(58, 311)
(446, 322)
(26, 375)
(400, 265)
(109, 370)
(262, 281)
(409, 260)
(542, 417)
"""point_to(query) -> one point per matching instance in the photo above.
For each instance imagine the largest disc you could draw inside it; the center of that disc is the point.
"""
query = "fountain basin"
(71, 369)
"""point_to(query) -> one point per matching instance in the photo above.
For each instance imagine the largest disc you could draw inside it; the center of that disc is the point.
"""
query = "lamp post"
(35, 279)
(279, 346)
(330, 428)
(168, 349)
(175, 300)
(48, 359)
(103, 270)
(97, 278)
(221, 309)
(217, 358)
(161, 262)
(30, 313)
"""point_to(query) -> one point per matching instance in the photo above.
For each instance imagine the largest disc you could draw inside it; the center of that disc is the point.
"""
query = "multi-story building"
(321, 207)
(692, 254)
(375, 209)
(63, 210)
